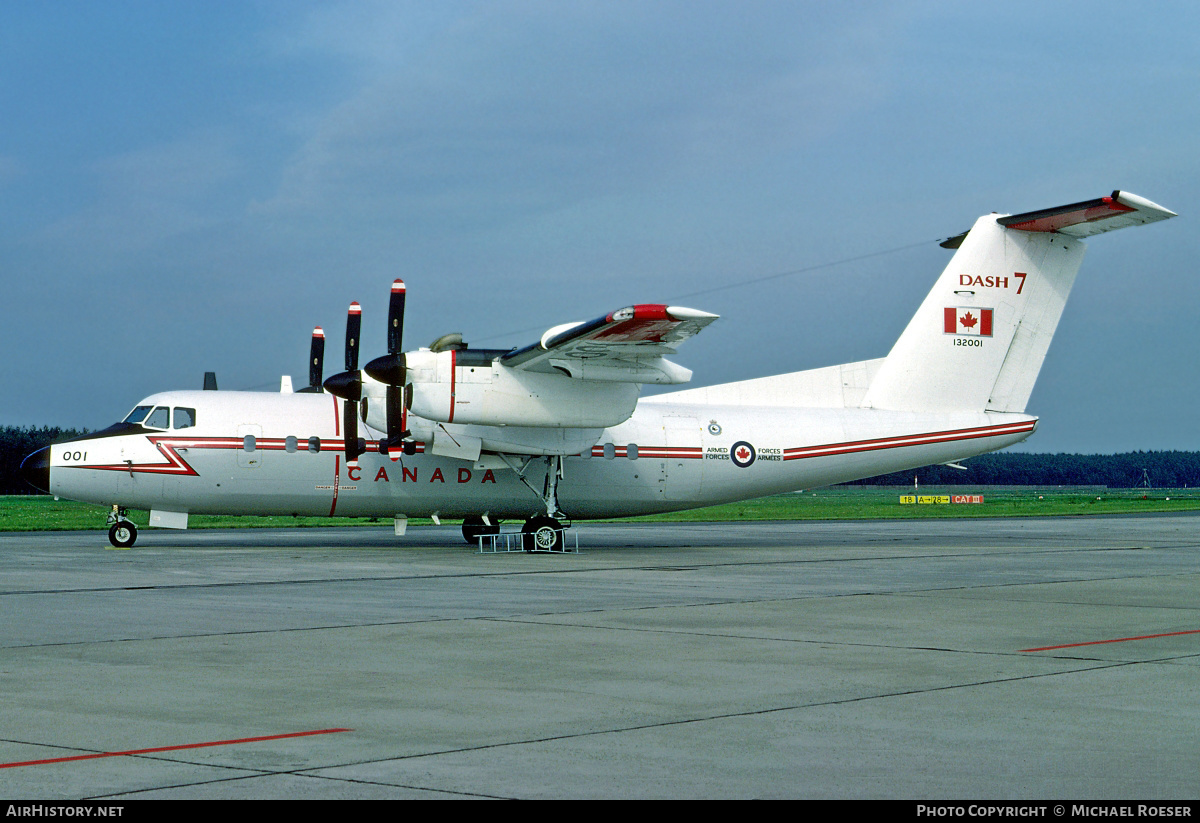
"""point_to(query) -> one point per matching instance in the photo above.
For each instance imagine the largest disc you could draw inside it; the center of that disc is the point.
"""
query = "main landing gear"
(540, 533)
(544, 533)
(122, 533)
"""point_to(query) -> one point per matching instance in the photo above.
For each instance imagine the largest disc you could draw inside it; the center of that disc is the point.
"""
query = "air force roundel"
(742, 454)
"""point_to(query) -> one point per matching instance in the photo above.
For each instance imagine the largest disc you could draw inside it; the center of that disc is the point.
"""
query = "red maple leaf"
(743, 453)
(967, 320)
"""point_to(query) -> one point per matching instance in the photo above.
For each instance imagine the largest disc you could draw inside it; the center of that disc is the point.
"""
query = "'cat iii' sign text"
(940, 498)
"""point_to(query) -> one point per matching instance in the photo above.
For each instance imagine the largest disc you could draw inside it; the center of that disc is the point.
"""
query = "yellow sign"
(909, 499)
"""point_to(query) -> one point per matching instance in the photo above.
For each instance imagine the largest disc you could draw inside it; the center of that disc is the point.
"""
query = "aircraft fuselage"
(282, 454)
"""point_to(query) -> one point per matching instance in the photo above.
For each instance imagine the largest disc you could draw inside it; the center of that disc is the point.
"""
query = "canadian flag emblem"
(973, 321)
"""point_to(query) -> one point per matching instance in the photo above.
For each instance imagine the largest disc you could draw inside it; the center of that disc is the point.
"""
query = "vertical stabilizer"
(979, 339)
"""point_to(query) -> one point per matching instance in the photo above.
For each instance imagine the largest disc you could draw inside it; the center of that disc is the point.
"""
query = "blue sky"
(192, 186)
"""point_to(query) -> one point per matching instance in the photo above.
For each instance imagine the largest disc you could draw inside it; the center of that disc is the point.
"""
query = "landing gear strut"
(122, 533)
(542, 532)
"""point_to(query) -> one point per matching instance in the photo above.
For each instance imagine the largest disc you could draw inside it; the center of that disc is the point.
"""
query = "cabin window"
(160, 418)
(314, 445)
(184, 418)
(248, 443)
(289, 444)
(610, 451)
(138, 414)
(631, 451)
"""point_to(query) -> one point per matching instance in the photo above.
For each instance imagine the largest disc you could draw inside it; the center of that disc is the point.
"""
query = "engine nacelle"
(490, 394)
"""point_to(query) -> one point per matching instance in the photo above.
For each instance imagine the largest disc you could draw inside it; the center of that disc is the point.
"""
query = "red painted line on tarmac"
(1116, 640)
(169, 748)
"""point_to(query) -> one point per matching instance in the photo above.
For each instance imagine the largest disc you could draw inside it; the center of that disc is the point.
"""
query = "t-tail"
(978, 341)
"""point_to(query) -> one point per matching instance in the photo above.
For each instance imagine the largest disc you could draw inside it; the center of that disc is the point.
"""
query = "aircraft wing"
(626, 346)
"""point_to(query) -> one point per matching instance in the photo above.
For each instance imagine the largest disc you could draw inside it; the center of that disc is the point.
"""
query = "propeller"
(392, 370)
(348, 385)
(316, 361)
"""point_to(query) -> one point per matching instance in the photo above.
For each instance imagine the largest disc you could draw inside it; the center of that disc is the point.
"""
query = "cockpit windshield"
(159, 417)
(138, 414)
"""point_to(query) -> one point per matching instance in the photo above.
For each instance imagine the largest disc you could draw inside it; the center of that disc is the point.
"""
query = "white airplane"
(555, 431)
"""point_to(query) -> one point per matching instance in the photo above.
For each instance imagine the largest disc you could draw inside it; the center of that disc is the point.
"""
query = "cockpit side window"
(160, 418)
(138, 414)
(184, 418)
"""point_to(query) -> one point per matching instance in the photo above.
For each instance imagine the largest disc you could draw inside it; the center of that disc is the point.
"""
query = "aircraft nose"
(35, 469)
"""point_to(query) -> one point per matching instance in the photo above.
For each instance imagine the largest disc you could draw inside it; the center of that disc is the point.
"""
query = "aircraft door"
(681, 466)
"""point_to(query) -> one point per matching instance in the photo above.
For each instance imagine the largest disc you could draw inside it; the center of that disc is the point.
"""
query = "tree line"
(16, 443)
(1166, 469)
(1130, 470)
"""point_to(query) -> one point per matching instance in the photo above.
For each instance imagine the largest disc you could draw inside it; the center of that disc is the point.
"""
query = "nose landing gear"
(122, 532)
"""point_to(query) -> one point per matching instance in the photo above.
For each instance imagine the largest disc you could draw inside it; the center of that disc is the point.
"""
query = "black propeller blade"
(348, 384)
(353, 332)
(316, 362)
(396, 318)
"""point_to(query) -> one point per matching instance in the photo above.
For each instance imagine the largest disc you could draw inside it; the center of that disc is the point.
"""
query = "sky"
(192, 186)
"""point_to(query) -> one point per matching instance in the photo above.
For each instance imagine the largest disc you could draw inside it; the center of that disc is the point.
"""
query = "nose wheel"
(122, 532)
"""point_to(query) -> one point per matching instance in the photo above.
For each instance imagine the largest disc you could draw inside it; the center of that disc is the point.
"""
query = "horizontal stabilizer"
(1119, 210)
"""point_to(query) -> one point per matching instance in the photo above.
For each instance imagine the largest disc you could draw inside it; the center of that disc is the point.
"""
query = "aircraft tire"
(123, 534)
(542, 534)
(473, 528)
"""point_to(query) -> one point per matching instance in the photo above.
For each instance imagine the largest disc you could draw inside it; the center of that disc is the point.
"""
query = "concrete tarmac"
(879, 659)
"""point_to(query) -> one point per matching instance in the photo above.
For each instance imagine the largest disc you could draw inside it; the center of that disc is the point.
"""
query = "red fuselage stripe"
(907, 440)
(337, 473)
(176, 465)
(453, 369)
